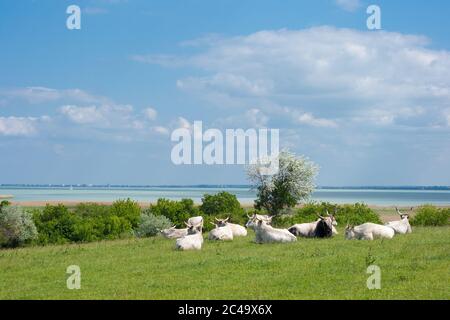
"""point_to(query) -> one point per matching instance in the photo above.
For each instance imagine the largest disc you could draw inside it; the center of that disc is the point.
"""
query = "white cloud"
(82, 115)
(348, 5)
(18, 126)
(35, 95)
(161, 130)
(343, 73)
(112, 116)
(388, 116)
(150, 113)
(309, 119)
(252, 118)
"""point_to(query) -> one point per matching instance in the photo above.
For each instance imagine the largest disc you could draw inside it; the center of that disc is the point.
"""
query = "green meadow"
(413, 266)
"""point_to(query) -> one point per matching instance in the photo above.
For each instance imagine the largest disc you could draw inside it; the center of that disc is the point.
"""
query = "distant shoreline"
(211, 186)
(145, 204)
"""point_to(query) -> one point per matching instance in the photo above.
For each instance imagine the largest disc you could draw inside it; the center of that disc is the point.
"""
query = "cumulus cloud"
(83, 115)
(36, 95)
(252, 118)
(20, 126)
(309, 119)
(161, 130)
(341, 73)
(101, 116)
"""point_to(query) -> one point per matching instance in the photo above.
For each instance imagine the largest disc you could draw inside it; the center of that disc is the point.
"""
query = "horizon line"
(84, 185)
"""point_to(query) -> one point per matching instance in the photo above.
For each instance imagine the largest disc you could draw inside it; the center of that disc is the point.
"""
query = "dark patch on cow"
(293, 230)
(323, 230)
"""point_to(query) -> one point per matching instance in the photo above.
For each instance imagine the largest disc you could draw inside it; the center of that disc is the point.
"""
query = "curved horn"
(216, 219)
(226, 219)
(320, 216)
(212, 223)
(187, 224)
(327, 212)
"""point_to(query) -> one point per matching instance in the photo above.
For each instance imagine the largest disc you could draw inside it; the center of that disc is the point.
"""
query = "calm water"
(376, 197)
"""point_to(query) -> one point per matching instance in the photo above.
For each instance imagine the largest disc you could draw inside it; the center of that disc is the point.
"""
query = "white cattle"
(369, 231)
(268, 234)
(238, 230)
(192, 241)
(401, 226)
(221, 232)
(196, 221)
(251, 223)
(173, 233)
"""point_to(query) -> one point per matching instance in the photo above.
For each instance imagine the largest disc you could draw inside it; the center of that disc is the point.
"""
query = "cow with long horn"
(173, 233)
(193, 240)
(401, 226)
(321, 228)
(221, 232)
(236, 229)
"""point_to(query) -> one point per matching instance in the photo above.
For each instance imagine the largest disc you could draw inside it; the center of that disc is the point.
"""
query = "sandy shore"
(6, 196)
(68, 203)
(147, 203)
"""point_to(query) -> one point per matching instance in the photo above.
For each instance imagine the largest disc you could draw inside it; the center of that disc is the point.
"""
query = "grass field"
(415, 266)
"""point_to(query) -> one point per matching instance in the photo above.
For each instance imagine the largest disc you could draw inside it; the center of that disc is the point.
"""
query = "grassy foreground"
(415, 266)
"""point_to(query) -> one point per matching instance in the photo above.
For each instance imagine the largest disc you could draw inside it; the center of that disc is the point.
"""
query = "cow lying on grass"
(251, 223)
(192, 241)
(173, 233)
(237, 230)
(221, 232)
(268, 234)
(369, 231)
(321, 228)
(401, 226)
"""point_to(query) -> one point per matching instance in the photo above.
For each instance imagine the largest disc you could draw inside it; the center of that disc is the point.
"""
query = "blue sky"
(97, 105)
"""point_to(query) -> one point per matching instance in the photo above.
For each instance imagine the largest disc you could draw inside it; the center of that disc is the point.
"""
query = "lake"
(245, 195)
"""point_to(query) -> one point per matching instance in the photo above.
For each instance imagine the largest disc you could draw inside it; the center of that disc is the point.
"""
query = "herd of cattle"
(191, 237)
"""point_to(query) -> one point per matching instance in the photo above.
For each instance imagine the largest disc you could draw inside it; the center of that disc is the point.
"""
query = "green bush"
(429, 215)
(100, 222)
(4, 203)
(176, 211)
(220, 203)
(150, 224)
(127, 209)
(55, 224)
(353, 214)
(16, 226)
(86, 222)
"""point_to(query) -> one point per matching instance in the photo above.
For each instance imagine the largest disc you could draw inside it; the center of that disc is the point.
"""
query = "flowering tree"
(293, 182)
